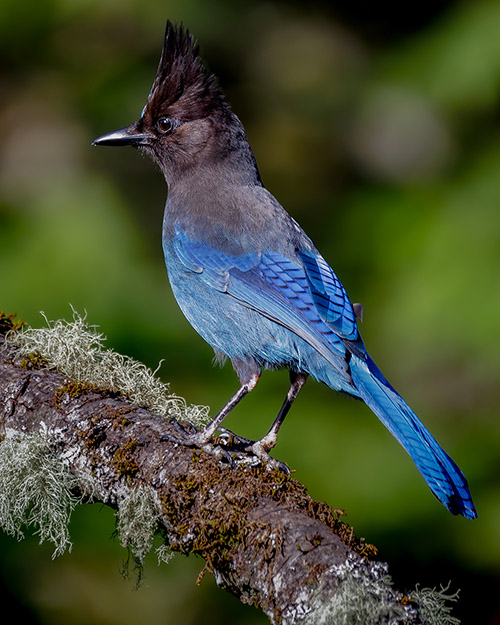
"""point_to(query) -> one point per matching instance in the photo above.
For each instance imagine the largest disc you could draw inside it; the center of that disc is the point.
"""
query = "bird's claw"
(230, 439)
(248, 452)
(227, 447)
(258, 451)
(245, 452)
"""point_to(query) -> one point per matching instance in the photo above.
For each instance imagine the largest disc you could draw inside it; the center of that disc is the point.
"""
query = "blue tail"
(442, 475)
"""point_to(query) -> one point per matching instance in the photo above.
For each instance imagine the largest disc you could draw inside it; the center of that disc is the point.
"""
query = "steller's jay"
(245, 274)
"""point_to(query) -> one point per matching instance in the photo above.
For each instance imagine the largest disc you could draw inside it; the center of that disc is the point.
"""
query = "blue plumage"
(245, 274)
(307, 300)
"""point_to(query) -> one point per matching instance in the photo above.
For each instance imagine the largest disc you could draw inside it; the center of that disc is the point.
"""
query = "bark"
(261, 535)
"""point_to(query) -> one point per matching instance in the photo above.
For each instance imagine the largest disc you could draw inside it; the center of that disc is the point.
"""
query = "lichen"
(37, 489)
(164, 553)
(138, 523)
(77, 350)
(433, 605)
(138, 517)
(363, 596)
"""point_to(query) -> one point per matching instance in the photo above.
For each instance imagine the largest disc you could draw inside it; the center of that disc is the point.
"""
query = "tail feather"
(442, 475)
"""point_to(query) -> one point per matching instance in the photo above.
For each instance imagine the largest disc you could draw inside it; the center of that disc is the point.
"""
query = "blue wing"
(307, 298)
(277, 288)
(329, 296)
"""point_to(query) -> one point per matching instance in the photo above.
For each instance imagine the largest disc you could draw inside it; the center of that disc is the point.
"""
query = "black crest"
(183, 88)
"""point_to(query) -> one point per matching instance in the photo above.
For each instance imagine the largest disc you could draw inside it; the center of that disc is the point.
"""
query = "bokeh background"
(378, 128)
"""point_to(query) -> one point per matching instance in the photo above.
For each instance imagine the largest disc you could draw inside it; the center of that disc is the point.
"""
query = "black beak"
(124, 136)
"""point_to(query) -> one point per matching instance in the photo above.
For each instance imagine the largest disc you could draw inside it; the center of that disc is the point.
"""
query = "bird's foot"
(187, 435)
(231, 440)
(260, 450)
(251, 452)
(227, 447)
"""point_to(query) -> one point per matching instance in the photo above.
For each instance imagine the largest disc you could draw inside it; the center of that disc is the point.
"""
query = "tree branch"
(261, 535)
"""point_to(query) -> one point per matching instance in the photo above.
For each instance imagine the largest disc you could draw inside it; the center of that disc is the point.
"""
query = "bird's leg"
(209, 430)
(248, 374)
(261, 447)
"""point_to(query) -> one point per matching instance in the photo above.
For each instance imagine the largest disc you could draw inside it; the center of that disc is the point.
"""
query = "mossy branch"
(78, 421)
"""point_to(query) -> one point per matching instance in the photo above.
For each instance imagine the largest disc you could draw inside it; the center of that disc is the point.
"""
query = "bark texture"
(262, 536)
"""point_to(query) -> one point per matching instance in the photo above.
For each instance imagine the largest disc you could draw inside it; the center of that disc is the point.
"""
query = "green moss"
(92, 437)
(123, 460)
(9, 323)
(73, 389)
(34, 361)
(98, 425)
(118, 416)
(214, 532)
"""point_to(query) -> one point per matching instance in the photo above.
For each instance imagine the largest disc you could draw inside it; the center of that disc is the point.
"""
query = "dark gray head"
(186, 121)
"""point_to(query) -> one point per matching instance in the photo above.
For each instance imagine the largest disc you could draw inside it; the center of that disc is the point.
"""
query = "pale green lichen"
(37, 489)
(77, 350)
(365, 595)
(433, 605)
(164, 554)
(138, 524)
(138, 517)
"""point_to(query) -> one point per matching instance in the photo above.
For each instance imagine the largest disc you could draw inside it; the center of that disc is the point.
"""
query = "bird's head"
(186, 117)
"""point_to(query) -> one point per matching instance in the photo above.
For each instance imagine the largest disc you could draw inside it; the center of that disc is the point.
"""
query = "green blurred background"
(379, 130)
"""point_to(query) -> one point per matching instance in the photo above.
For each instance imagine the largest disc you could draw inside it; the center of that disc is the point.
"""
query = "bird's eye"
(165, 125)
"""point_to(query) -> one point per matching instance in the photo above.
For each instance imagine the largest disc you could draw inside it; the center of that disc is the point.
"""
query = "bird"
(245, 274)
